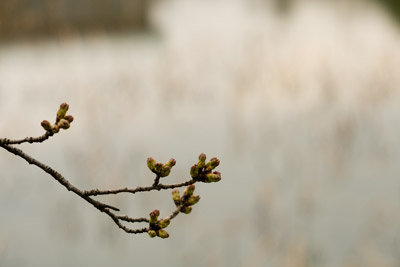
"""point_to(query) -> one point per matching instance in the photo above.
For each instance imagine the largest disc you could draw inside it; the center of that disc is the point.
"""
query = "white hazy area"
(301, 107)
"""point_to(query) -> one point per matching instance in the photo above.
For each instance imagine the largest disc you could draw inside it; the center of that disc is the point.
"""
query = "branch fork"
(200, 172)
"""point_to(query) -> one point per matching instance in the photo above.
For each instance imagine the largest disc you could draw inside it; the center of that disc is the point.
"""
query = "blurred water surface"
(302, 109)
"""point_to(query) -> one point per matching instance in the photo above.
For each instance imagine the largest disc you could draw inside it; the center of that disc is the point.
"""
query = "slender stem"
(175, 212)
(156, 180)
(40, 139)
(86, 195)
(138, 189)
(49, 170)
(132, 220)
(56, 175)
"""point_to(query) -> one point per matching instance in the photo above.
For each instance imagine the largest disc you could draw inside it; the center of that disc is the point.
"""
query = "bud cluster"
(160, 169)
(156, 226)
(63, 121)
(187, 200)
(203, 172)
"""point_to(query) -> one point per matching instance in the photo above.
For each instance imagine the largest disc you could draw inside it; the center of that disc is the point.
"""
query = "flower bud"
(218, 174)
(165, 171)
(151, 163)
(46, 125)
(64, 106)
(193, 200)
(213, 177)
(171, 163)
(69, 118)
(154, 216)
(194, 171)
(55, 128)
(202, 160)
(176, 197)
(186, 209)
(64, 124)
(152, 233)
(62, 111)
(157, 168)
(163, 233)
(212, 164)
(164, 223)
(189, 191)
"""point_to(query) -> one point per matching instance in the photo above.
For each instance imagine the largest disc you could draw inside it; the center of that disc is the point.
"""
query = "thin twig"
(156, 180)
(96, 192)
(198, 172)
(56, 175)
(175, 212)
(132, 220)
(40, 139)
(86, 195)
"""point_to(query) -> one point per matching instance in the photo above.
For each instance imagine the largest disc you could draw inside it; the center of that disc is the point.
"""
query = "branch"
(40, 139)
(158, 187)
(200, 172)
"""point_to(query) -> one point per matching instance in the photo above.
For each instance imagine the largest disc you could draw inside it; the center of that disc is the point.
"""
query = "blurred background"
(298, 99)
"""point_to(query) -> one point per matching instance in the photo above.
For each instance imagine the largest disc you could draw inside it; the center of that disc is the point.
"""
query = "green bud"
(62, 111)
(171, 163)
(194, 171)
(164, 223)
(212, 164)
(189, 191)
(202, 160)
(213, 177)
(165, 170)
(154, 216)
(64, 124)
(163, 234)
(157, 168)
(152, 233)
(46, 125)
(176, 197)
(151, 163)
(55, 128)
(186, 209)
(69, 118)
(193, 200)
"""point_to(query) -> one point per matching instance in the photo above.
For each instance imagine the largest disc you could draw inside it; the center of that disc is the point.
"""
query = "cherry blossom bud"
(154, 216)
(189, 191)
(55, 128)
(62, 111)
(164, 223)
(46, 125)
(176, 197)
(193, 200)
(202, 160)
(64, 124)
(157, 168)
(151, 163)
(69, 118)
(165, 171)
(171, 163)
(212, 164)
(186, 210)
(194, 171)
(152, 233)
(213, 177)
(163, 234)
